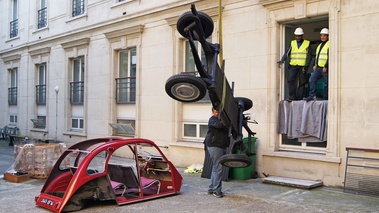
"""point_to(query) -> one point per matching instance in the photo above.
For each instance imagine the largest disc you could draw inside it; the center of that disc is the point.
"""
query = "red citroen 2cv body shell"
(124, 170)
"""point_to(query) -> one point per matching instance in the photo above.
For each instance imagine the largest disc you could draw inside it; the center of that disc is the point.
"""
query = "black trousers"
(297, 79)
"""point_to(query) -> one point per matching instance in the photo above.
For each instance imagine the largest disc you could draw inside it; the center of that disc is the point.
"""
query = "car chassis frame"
(91, 171)
(197, 26)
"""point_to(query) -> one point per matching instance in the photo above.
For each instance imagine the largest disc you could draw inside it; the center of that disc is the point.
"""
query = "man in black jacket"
(217, 140)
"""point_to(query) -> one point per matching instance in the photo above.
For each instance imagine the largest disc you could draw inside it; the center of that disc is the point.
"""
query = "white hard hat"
(299, 31)
(324, 31)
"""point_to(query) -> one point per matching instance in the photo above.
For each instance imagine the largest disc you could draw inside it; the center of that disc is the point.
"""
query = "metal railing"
(362, 171)
(12, 96)
(41, 94)
(42, 18)
(126, 90)
(77, 93)
(13, 28)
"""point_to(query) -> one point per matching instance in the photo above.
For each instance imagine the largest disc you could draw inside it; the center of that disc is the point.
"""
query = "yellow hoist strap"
(221, 59)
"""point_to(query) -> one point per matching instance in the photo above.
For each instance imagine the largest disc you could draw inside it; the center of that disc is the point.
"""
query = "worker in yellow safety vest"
(300, 55)
(320, 69)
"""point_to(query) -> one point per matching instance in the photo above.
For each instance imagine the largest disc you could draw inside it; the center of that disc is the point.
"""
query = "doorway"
(312, 28)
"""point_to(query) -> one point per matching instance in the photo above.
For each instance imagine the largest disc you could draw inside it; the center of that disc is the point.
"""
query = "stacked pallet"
(36, 159)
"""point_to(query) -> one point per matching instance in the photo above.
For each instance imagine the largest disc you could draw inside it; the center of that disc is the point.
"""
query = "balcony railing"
(42, 18)
(78, 7)
(13, 28)
(41, 94)
(12, 96)
(126, 90)
(77, 93)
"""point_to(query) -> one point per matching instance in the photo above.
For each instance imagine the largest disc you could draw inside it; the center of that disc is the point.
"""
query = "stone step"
(293, 182)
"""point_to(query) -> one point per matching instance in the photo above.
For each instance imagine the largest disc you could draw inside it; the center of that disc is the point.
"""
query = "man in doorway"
(300, 55)
(320, 69)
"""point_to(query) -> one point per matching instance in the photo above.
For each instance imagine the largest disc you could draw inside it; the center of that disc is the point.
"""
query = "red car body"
(124, 170)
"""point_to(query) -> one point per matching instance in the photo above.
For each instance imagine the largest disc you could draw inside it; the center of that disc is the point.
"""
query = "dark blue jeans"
(317, 75)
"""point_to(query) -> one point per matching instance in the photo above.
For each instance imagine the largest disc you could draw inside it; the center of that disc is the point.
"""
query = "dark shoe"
(218, 194)
(310, 98)
(290, 99)
(210, 192)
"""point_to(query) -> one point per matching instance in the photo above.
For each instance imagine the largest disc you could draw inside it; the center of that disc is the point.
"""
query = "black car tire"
(187, 18)
(235, 161)
(248, 104)
(185, 88)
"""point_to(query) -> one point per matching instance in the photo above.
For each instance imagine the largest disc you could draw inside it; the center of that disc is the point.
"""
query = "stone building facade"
(81, 69)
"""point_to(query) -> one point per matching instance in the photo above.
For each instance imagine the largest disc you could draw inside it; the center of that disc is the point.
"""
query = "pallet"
(39, 176)
(16, 178)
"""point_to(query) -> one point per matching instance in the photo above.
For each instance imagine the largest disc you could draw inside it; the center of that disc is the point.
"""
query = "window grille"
(12, 96)
(77, 93)
(42, 18)
(77, 7)
(41, 94)
(13, 28)
(126, 90)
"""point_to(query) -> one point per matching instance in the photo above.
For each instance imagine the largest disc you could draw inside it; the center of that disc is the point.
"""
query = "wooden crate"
(16, 178)
(36, 159)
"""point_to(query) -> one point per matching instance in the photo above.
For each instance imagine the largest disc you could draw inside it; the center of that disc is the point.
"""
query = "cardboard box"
(16, 178)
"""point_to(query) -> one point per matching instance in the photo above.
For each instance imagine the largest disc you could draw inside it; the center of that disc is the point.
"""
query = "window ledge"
(303, 156)
(267, 2)
(42, 130)
(12, 39)
(123, 136)
(40, 29)
(75, 134)
(121, 3)
(196, 145)
(199, 102)
(73, 18)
